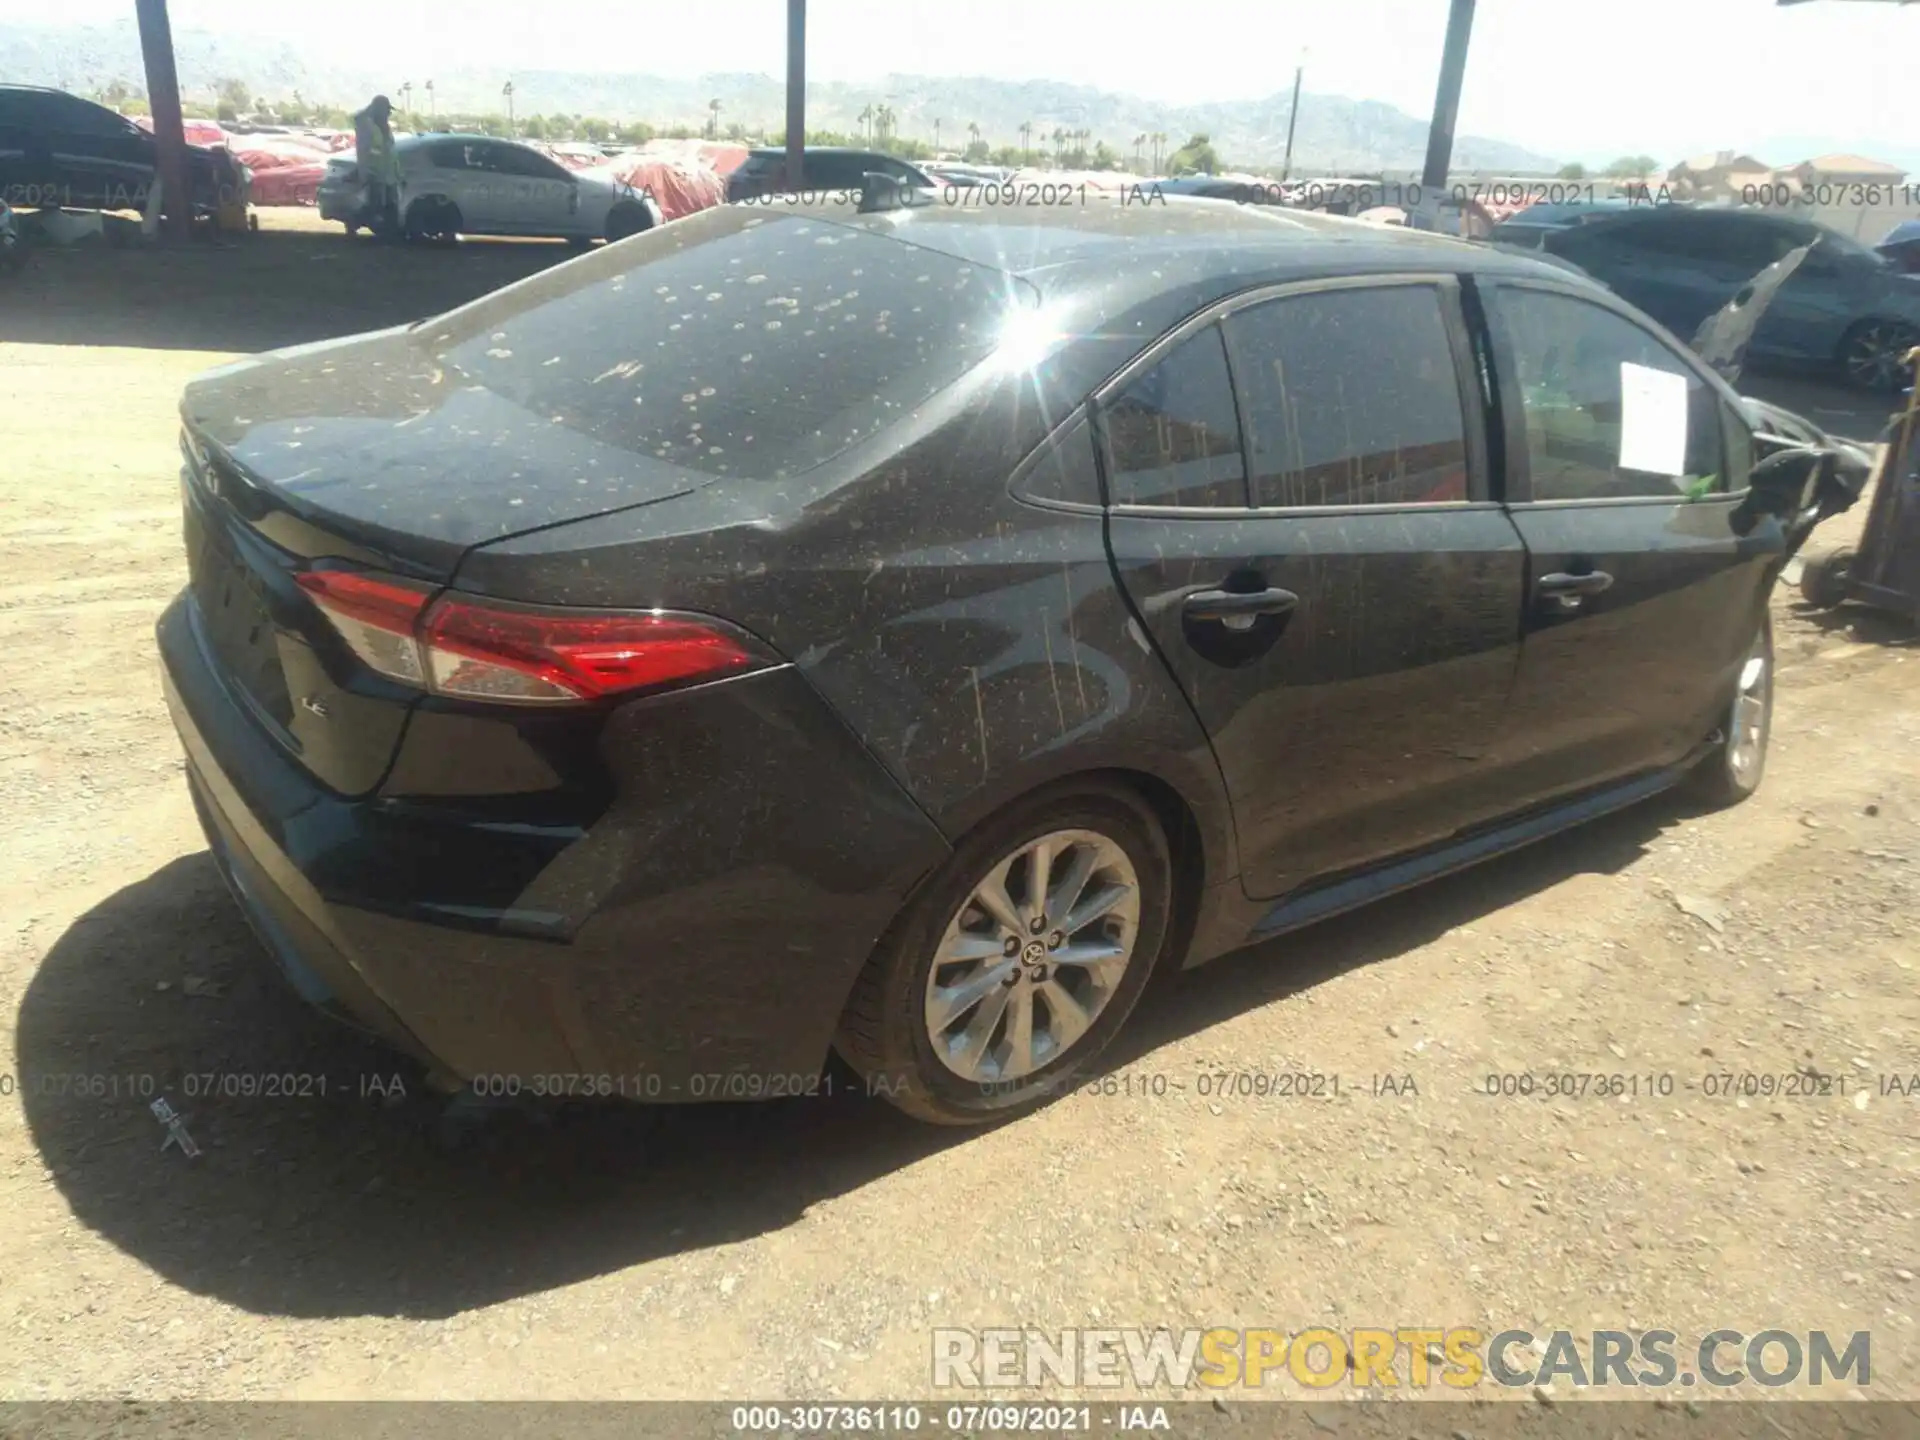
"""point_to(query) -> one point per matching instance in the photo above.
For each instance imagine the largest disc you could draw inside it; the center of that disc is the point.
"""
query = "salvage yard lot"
(321, 1246)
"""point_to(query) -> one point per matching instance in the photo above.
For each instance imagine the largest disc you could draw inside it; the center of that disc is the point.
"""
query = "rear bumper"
(342, 200)
(708, 922)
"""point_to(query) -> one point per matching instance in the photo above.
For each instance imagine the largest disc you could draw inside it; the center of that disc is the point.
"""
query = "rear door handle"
(1565, 592)
(1228, 606)
(1591, 583)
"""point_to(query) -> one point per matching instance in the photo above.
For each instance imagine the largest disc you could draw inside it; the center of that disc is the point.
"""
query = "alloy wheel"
(1748, 723)
(1875, 353)
(1033, 956)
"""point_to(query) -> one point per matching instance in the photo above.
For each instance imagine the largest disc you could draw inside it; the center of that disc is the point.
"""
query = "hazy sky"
(1665, 76)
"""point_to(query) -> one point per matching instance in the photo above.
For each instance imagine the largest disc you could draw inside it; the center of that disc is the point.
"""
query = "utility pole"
(1446, 104)
(1293, 115)
(169, 133)
(796, 91)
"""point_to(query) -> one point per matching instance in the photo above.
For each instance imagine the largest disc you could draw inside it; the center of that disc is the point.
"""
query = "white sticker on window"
(1653, 420)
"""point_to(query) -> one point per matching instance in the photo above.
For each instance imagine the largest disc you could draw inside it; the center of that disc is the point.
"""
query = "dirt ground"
(325, 1248)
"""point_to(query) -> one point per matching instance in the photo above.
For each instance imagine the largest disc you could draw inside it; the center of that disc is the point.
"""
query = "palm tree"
(713, 118)
(973, 133)
(883, 123)
(865, 120)
(1159, 147)
(936, 134)
(1026, 141)
(1139, 150)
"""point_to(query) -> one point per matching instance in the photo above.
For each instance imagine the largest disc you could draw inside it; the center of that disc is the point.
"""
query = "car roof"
(1549, 213)
(420, 138)
(1133, 242)
(781, 150)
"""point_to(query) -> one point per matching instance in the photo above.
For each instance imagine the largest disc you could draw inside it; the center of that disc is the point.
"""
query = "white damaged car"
(452, 185)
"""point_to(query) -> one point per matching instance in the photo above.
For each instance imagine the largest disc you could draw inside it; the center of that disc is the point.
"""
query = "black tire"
(433, 218)
(1870, 355)
(625, 220)
(1823, 577)
(353, 228)
(883, 1032)
(1721, 778)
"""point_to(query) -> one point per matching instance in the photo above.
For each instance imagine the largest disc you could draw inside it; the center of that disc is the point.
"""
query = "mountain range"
(1335, 133)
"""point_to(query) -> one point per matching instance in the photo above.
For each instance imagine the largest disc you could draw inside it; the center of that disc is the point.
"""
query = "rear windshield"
(736, 342)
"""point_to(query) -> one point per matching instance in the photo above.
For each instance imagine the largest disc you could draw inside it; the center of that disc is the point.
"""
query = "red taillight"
(498, 652)
(476, 649)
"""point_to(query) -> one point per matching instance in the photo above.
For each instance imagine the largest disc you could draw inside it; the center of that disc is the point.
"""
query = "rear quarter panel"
(975, 643)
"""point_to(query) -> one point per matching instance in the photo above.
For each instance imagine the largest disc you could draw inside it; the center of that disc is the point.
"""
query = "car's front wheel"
(1731, 771)
(1018, 963)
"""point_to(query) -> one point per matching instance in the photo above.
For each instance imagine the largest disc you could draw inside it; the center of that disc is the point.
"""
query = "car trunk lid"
(339, 453)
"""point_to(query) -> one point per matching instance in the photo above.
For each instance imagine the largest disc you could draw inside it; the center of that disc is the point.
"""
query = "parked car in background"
(12, 255)
(1528, 228)
(794, 628)
(966, 176)
(764, 171)
(1844, 308)
(58, 151)
(1217, 187)
(1901, 248)
(478, 185)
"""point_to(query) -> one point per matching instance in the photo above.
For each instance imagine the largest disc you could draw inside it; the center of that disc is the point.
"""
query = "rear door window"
(737, 341)
(513, 160)
(836, 172)
(1173, 435)
(1351, 397)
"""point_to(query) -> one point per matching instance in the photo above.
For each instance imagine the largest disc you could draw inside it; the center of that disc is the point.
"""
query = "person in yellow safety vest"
(379, 166)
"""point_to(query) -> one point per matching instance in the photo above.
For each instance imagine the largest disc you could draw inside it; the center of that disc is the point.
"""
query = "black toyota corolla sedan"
(905, 630)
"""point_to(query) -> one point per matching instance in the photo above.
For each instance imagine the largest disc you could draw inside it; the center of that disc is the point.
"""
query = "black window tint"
(515, 161)
(1351, 398)
(1173, 437)
(1751, 245)
(448, 155)
(1064, 469)
(78, 117)
(735, 342)
(1593, 422)
(834, 172)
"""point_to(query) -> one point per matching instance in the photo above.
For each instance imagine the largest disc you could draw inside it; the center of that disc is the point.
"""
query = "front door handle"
(1238, 610)
(1566, 592)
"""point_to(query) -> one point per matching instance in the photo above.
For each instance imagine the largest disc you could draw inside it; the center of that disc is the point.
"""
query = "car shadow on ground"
(342, 1203)
(255, 292)
(1862, 624)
